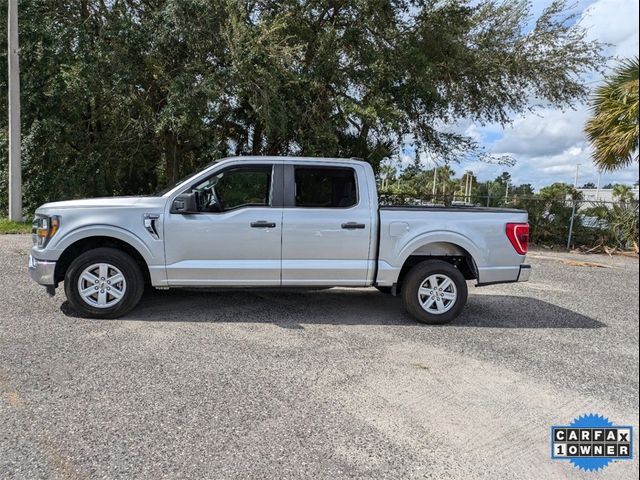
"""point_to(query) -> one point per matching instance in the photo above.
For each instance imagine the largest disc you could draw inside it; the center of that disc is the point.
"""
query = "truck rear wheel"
(434, 292)
(103, 283)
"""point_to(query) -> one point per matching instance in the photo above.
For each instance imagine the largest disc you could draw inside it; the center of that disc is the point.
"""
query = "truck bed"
(477, 233)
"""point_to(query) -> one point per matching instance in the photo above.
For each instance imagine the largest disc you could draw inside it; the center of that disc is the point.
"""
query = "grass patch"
(7, 226)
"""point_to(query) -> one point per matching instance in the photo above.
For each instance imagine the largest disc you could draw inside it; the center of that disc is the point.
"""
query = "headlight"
(44, 228)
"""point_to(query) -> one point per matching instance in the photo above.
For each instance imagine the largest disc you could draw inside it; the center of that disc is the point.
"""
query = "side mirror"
(185, 203)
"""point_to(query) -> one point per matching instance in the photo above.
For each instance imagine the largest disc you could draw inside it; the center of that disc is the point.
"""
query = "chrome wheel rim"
(102, 285)
(437, 294)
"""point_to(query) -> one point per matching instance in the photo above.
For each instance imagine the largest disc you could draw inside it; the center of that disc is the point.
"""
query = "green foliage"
(622, 220)
(549, 218)
(623, 193)
(612, 224)
(559, 191)
(122, 97)
(524, 190)
(613, 129)
(618, 222)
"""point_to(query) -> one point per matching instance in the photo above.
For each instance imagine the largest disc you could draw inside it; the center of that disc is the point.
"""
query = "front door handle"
(263, 224)
(353, 225)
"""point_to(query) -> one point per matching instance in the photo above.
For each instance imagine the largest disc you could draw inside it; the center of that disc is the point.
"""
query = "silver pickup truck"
(274, 222)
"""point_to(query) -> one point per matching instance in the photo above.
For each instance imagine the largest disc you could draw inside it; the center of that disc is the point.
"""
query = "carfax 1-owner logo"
(591, 442)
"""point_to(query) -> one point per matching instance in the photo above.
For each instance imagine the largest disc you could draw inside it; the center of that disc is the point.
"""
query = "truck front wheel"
(103, 283)
(434, 292)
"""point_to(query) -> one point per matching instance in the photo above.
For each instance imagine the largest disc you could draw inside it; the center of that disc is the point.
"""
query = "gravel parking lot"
(315, 384)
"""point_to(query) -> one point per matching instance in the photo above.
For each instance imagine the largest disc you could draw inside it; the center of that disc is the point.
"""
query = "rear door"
(326, 225)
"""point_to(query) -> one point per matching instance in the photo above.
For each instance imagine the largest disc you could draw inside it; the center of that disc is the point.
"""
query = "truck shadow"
(294, 308)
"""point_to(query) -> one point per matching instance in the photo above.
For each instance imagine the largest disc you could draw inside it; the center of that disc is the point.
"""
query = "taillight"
(518, 235)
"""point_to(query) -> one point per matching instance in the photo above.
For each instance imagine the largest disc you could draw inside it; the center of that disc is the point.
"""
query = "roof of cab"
(293, 159)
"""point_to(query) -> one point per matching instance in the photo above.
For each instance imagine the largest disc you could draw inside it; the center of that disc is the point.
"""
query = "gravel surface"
(324, 384)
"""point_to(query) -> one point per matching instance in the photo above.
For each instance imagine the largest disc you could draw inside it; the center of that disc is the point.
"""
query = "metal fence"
(558, 222)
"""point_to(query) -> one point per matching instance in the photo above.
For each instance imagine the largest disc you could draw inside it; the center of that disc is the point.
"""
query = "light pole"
(15, 168)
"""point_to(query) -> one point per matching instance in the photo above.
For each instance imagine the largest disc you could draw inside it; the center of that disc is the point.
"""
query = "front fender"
(104, 230)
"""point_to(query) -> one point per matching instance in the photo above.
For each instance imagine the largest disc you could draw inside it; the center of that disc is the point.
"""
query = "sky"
(549, 143)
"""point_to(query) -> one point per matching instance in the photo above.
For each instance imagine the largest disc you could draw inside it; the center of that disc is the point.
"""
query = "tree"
(122, 97)
(491, 193)
(589, 185)
(613, 128)
(622, 192)
(504, 178)
(559, 191)
(524, 190)
(387, 173)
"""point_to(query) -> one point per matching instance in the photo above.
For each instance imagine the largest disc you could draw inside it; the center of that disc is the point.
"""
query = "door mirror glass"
(185, 203)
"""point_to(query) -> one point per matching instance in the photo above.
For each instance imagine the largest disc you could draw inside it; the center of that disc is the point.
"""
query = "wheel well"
(90, 243)
(462, 260)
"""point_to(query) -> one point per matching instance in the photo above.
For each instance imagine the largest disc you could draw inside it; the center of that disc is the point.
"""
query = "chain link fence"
(554, 222)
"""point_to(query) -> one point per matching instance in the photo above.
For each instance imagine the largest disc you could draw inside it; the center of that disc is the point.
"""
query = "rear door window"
(319, 187)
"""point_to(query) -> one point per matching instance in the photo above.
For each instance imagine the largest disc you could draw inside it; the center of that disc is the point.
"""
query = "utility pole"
(468, 186)
(488, 197)
(435, 180)
(15, 167)
(573, 209)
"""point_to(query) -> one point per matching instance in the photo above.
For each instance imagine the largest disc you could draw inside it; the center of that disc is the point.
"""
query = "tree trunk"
(171, 156)
(256, 142)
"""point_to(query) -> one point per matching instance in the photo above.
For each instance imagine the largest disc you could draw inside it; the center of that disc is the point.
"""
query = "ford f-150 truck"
(274, 222)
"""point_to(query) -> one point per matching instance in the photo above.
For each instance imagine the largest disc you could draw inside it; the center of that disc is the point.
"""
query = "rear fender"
(439, 243)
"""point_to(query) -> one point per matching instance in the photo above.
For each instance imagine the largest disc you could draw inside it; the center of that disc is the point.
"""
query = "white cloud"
(614, 22)
(544, 133)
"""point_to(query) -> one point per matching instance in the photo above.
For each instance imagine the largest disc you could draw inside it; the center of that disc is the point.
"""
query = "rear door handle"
(353, 225)
(263, 224)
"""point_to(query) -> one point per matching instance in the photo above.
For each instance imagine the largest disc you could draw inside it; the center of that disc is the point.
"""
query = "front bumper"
(42, 271)
(525, 273)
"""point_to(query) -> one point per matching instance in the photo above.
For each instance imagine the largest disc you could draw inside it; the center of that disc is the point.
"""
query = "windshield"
(160, 193)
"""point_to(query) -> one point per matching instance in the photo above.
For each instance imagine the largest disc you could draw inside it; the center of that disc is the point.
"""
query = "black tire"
(120, 260)
(417, 276)
(386, 290)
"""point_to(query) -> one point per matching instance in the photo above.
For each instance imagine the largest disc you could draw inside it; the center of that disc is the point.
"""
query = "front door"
(235, 238)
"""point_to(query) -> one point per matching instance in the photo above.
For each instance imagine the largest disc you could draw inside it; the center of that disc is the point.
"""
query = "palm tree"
(613, 128)
(622, 192)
